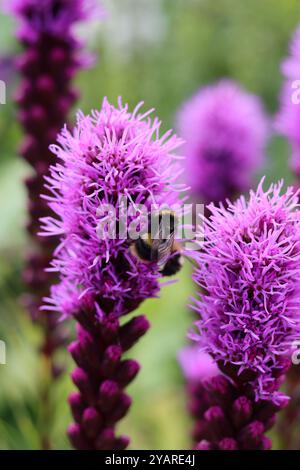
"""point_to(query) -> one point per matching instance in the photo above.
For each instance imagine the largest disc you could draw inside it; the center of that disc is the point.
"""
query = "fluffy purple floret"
(249, 269)
(225, 130)
(109, 154)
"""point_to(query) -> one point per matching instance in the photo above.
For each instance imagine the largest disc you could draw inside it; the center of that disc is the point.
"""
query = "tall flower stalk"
(49, 61)
(110, 154)
(248, 270)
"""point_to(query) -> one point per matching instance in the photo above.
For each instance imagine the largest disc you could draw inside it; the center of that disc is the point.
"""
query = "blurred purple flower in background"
(8, 69)
(196, 365)
(111, 153)
(225, 129)
(287, 121)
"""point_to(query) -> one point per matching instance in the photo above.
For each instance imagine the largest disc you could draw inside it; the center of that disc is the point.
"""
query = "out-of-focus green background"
(159, 51)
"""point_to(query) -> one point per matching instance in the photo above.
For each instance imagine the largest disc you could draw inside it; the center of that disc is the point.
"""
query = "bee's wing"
(155, 250)
(162, 247)
(164, 250)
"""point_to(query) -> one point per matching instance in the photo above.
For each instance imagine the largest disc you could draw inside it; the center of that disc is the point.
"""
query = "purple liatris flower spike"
(249, 270)
(288, 119)
(225, 130)
(50, 58)
(226, 415)
(110, 154)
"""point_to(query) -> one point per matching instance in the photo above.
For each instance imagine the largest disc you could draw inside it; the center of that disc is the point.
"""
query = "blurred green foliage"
(158, 51)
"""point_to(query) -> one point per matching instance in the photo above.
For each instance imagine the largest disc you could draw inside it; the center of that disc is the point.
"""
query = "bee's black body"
(143, 249)
(173, 265)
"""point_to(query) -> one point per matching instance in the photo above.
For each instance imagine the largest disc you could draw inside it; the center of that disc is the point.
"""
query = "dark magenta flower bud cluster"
(226, 414)
(101, 377)
(228, 417)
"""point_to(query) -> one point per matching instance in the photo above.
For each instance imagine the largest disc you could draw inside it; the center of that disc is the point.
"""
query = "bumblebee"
(160, 246)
